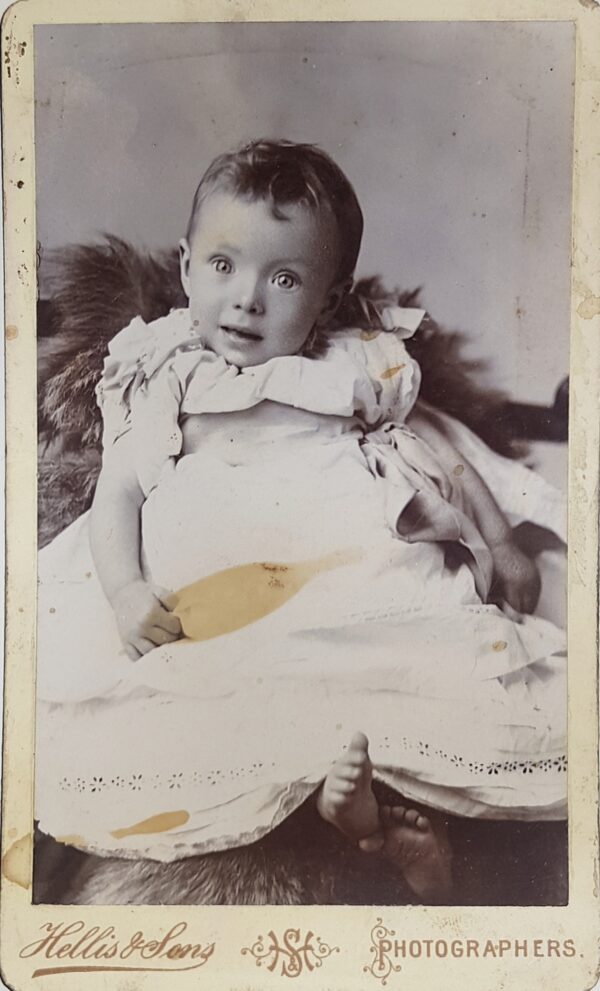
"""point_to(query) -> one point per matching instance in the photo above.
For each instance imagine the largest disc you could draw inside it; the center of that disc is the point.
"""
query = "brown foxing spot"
(160, 823)
(458, 470)
(369, 335)
(12, 332)
(390, 372)
(499, 645)
(589, 308)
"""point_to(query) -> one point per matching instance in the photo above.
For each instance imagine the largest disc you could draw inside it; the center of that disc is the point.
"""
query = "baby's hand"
(143, 620)
(516, 577)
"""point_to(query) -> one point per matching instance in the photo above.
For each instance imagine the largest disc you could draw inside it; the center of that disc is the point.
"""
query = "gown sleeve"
(420, 500)
(394, 375)
(141, 391)
(409, 467)
(122, 375)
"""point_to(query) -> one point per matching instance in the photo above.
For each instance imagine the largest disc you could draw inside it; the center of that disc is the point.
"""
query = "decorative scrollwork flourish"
(381, 965)
(294, 953)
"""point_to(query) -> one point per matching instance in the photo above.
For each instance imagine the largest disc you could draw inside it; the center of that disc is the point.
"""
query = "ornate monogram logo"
(294, 953)
(381, 965)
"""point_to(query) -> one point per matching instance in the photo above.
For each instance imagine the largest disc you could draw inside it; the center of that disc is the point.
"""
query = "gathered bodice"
(158, 377)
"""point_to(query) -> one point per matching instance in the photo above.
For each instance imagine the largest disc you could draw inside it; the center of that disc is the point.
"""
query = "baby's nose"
(249, 296)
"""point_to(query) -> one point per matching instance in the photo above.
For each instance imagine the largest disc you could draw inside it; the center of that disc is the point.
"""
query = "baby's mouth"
(240, 333)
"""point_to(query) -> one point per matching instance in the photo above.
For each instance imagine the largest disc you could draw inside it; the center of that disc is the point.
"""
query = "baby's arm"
(516, 576)
(142, 618)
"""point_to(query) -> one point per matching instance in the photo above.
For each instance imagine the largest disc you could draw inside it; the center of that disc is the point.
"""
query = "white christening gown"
(314, 618)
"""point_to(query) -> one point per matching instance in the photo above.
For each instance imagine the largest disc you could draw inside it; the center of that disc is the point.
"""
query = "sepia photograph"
(301, 609)
(303, 310)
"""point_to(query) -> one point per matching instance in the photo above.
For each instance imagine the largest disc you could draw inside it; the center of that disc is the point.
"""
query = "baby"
(269, 256)
(248, 429)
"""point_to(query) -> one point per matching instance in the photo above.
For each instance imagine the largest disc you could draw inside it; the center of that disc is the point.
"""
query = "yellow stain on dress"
(499, 645)
(155, 824)
(390, 372)
(231, 599)
(16, 862)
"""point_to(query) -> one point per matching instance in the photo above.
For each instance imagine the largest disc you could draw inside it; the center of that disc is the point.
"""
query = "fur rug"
(306, 862)
(96, 290)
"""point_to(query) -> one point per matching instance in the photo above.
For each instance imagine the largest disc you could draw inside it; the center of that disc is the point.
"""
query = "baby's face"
(256, 284)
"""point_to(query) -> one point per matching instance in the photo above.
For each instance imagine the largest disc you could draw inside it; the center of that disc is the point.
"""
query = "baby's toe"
(398, 814)
(358, 747)
(372, 844)
(417, 820)
(350, 773)
(342, 788)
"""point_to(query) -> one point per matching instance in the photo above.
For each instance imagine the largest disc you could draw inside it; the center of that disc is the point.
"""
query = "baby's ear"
(332, 301)
(184, 265)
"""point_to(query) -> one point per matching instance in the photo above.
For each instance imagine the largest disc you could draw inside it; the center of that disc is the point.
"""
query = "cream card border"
(359, 955)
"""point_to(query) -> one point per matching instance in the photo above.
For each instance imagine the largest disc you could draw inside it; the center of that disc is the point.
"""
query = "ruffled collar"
(157, 372)
(361, 371)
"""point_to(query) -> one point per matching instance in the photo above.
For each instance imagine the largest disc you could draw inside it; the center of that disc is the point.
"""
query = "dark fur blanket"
(97, 290)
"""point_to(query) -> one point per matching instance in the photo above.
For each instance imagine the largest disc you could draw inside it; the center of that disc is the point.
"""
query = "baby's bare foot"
(346, 799)
(420, 850)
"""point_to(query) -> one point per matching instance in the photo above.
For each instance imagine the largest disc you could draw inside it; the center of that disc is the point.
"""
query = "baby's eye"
(222, 265)
(286, 280)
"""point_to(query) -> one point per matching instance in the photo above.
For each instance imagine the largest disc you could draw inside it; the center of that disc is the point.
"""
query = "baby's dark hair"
(285, 173)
